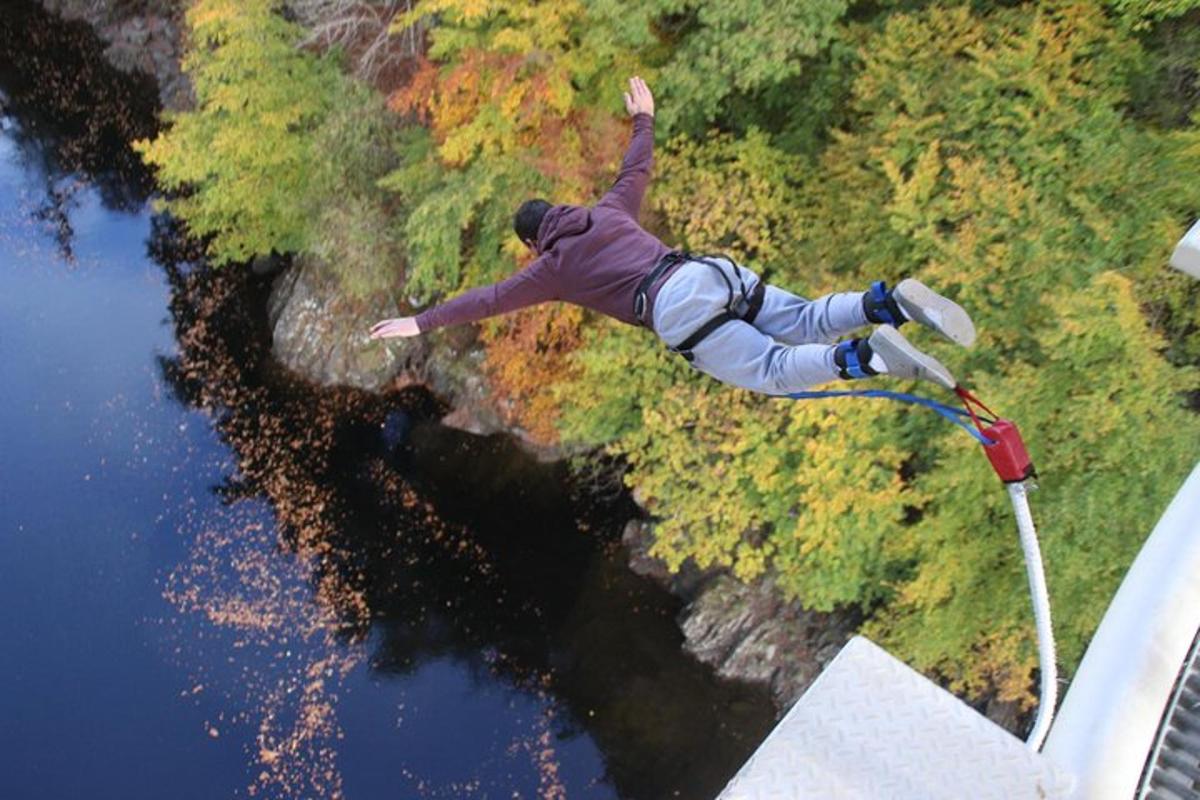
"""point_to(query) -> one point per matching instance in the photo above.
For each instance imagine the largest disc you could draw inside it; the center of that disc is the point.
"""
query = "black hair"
(529, 219)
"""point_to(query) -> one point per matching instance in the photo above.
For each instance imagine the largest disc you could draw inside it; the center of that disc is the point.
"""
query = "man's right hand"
(638, 99)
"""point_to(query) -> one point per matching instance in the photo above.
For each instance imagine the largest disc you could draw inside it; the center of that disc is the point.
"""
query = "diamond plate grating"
(871, 727)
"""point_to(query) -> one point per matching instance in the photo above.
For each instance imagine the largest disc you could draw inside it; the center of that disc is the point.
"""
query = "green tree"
(739, 47)
(244, 161)
(1140, 12)
(458, 222)
(520, 100)
(355, 225)
(726, 194)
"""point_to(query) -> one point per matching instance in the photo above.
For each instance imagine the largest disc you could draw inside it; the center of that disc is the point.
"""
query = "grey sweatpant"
(786, 349)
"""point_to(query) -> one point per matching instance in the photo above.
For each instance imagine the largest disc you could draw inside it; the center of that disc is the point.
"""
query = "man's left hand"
(392, 328)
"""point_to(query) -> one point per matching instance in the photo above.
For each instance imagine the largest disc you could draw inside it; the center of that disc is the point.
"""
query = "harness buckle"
(641, 298)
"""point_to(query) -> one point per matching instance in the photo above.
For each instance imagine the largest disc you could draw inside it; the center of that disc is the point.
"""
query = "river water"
(218, 581)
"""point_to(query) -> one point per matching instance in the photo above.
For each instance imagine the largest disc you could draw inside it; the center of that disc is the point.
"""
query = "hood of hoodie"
(560, 222)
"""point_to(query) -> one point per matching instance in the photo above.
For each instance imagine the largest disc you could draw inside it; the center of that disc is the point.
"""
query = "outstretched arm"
(532, 285)
(626, 194)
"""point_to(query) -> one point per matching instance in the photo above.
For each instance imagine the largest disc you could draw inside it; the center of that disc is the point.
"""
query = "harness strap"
(641, 299)
(881, 307)
(753, 298)
(756, 300)
(684, 348)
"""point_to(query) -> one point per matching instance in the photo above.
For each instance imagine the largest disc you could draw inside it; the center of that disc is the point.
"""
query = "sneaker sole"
(905, 361)
(924, 305)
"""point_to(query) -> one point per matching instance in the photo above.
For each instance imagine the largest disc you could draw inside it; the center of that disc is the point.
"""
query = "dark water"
(216, 581)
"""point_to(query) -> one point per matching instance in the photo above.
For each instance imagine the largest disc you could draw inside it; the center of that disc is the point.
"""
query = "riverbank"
(745, 632)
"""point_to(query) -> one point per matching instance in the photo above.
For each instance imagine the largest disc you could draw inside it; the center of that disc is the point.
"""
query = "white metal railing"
(1110, 717)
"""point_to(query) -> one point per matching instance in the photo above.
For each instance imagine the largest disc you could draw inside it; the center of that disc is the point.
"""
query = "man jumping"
(719, 315)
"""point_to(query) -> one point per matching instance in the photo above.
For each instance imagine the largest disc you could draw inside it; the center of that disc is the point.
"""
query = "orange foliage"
(413, 97)
(579, 153)
(527, 353)
(574, 147)
(495, 98)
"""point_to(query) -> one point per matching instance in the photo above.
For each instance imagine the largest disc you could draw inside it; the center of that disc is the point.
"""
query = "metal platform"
(871, 727)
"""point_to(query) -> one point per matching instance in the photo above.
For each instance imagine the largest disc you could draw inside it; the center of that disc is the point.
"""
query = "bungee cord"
(1004, 448)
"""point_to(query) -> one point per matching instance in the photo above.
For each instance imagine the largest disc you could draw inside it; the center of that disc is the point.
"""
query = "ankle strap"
(881, 307)
(853, 359)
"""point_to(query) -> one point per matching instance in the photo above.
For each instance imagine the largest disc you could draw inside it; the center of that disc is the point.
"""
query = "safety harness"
(753, 298)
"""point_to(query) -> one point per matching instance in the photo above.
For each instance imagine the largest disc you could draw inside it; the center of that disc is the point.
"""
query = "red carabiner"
(1007, 451)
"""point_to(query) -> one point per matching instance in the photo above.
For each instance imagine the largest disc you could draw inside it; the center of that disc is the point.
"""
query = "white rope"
(1019, 494)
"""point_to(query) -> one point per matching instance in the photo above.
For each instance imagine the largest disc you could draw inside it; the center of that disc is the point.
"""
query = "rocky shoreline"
(745, 632)
(140, 37)
(322, 336)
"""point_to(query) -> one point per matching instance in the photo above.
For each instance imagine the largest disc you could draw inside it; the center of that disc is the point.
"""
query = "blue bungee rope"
(955, 415)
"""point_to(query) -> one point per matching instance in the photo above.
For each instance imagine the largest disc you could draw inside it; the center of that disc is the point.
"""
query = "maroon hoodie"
(593, 257)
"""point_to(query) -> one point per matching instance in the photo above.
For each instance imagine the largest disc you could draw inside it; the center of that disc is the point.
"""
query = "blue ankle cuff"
(845, 355)
(881, 307)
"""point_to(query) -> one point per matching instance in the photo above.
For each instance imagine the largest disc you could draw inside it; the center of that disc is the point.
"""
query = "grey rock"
(322, 335)
(149, 43)
(636, 539)
(133, 33)
(752, 632)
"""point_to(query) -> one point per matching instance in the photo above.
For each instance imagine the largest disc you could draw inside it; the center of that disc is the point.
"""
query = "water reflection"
(443, 544)
(71, 118)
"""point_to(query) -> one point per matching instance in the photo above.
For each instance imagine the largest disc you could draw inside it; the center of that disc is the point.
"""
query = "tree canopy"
(1034, 160)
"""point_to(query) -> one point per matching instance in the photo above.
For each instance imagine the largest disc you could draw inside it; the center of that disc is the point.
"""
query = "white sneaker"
(905, 361)
(922, 304)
